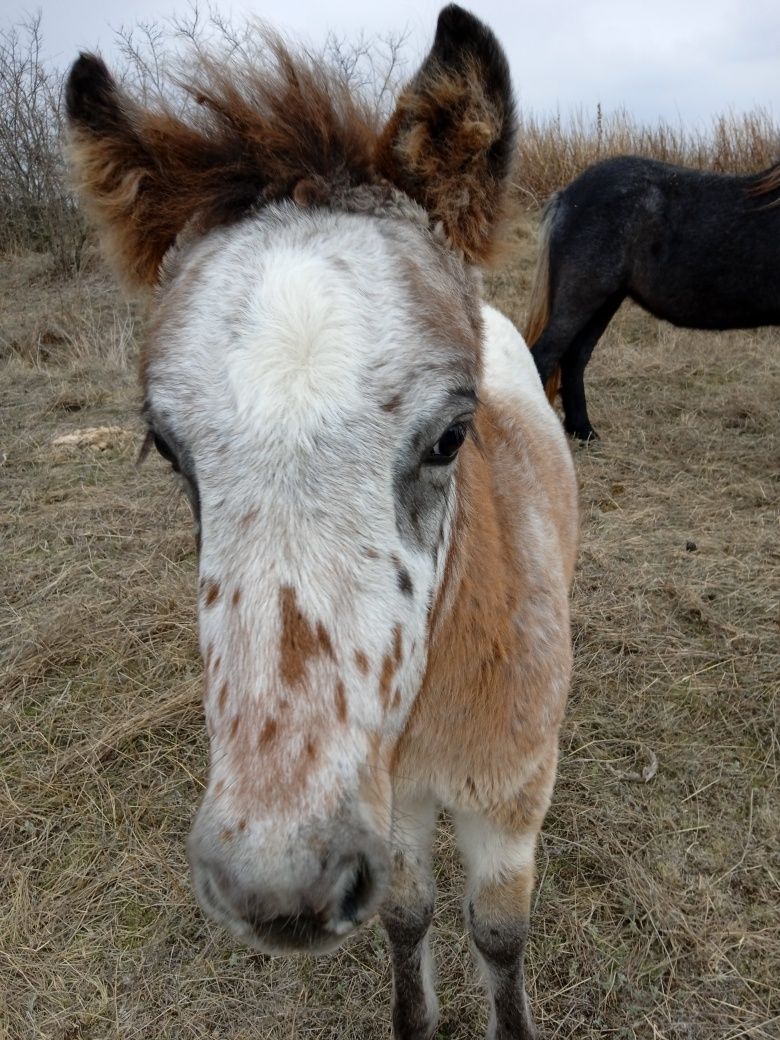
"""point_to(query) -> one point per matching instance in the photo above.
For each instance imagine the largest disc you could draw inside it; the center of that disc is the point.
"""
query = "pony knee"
(415, 1007)
(407, 915)
(499, 936)
(499, 931)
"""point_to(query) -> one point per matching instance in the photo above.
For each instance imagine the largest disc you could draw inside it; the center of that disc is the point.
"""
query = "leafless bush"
(373, 66)
(155, 55)
(36, 208)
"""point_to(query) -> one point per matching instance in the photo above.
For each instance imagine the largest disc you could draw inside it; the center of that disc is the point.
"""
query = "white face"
(312, 374)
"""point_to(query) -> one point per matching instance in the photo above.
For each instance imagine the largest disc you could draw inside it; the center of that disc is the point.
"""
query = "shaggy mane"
(282, 126)
(287, 118)
(270, 125)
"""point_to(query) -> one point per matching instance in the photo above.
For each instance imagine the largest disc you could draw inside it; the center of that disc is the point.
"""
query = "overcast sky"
(681, 59)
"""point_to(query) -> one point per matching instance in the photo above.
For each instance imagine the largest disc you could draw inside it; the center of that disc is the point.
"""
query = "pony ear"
(450, 142)
(118, 162)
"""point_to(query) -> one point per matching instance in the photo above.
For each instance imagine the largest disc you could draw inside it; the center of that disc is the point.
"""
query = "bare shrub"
(156, 56)
(36, 208)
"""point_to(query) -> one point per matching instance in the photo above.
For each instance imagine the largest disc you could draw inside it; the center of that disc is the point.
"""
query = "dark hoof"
(583, 433)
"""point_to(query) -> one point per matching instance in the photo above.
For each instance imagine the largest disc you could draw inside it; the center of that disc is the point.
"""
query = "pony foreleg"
(547, 353)
(575, 410)
(500, 867)
(406, 915)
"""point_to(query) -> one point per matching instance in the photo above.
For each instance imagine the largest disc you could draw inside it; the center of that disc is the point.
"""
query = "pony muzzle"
(304, 896)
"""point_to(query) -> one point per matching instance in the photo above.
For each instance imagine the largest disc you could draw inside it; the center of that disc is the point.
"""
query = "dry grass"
(657, 910)
(552, 151)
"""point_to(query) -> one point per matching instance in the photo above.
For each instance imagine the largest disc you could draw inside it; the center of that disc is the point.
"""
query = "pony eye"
(447, 446)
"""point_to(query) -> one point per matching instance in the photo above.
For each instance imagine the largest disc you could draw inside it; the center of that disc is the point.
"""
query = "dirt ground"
(657, 913)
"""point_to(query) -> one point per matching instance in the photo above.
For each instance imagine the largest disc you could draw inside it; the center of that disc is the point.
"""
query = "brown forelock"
(486, 719)
(437, 148)
(282, 127)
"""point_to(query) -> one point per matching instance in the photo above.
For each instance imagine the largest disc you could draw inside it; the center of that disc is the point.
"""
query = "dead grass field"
(658, 907)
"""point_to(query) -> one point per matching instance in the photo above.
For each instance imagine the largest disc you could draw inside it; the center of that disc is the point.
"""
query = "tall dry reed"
(553, 150)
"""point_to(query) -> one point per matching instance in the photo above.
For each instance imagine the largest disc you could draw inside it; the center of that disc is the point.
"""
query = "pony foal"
(385, 501)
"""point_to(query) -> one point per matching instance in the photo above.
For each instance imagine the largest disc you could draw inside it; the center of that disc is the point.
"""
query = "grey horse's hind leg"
(406, 916)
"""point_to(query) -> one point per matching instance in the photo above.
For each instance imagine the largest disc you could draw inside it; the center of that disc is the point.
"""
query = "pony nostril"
(358, 890)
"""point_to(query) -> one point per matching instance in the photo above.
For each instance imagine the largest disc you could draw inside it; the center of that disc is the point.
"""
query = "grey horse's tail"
(539, 304)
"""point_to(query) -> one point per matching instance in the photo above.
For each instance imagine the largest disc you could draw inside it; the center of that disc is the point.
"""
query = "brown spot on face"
(370, 554)
(299, 641)
(397, 646)
(362, 662)
(217, 662)
(341, 702)
(385, 678)
(242, 824)
(323, 640)
(234, 726)
(248, 518)
(209, 653)
(311, 749)
(211, 592)
(392, 404)
(397, 698)
(267, 733)
(222, 699)
(499, 651)
(218, 787)
(236, 597)
(390, 666)
(226, 834)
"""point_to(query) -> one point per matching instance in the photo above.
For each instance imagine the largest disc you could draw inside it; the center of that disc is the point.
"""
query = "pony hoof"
(585, 434)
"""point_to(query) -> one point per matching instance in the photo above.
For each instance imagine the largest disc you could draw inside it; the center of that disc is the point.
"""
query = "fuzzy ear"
(450, 142)
(120, 161)
(280, 128)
